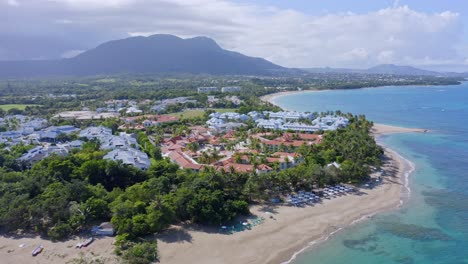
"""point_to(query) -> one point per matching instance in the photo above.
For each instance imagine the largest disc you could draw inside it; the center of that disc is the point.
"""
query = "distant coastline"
(377, 130)
(270, 98)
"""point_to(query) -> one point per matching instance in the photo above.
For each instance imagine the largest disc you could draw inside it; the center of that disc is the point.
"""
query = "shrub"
(60, 231)
(141, 253)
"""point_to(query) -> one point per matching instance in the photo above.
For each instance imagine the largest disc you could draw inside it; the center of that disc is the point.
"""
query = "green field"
(17, 106)
(191, 113)
(106, 80)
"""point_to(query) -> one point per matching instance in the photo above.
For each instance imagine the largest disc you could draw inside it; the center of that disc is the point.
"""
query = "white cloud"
(63, 21)
(393, 35)
(385, 56)
(12, 2)
(71, 53)
(397, 34)
(92, 4)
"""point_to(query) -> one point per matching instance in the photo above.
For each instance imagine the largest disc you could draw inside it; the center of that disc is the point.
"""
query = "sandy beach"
(291, 228)
(15, 250)
(270, 98)
(286, 230)
(381, 129)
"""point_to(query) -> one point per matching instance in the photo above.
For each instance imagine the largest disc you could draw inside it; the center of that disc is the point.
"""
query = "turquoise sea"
(432, 224)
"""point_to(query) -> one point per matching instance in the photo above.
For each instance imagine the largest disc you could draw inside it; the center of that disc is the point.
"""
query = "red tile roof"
(273, 160)
(264, 167)
(157, 118)
(253, 151)
(284, 154)
(184, 162)
(242, 168)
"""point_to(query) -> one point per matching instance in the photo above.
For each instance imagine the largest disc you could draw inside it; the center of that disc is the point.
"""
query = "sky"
(430, 34)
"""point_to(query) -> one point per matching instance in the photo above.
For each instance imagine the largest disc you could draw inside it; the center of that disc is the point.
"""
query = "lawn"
(191, 113)
(17, 106)
(106, 80)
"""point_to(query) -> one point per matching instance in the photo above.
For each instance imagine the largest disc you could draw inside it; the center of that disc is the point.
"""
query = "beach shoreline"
(377, 130)
(270, 98)
(287, 232)
(290, 230)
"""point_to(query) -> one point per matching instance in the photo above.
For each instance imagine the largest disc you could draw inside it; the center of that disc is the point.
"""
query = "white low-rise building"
(133, 110)
(270, 123)
(123, 140)
(290, 115)
(207, 89)
(321, 123)
(95, 132)
(231, 89)
(130, 156)
(40, 152)
(230, 116)
(300, 127)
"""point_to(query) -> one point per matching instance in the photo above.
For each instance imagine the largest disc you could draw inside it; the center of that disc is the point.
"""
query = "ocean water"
(432, 224)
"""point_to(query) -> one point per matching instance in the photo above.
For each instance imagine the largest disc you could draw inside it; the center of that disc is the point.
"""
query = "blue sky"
(317, 7)
(296, 33)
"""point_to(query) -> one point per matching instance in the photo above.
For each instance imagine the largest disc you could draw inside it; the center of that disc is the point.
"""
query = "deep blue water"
(432, 226)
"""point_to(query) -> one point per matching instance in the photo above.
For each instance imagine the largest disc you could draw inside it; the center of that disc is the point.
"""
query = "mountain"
(388, 69)
(153, 54)
(399, 70)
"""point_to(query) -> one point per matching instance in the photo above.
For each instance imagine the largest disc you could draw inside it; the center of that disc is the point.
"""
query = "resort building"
(84, 115)
(38, 153)
(130, 156)
(123, 140)
(256, 115)
(331, 122)
(289, 115)
(280, 122)
(262, 168)
(184, 161)
(162, 105)
(288, 142)
(207, 89)
(233, 99)
(95, 132)
(133, 110)
(231, 89)
(230, 116)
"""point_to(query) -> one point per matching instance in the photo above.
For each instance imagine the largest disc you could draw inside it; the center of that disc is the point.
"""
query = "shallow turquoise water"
(432, 226)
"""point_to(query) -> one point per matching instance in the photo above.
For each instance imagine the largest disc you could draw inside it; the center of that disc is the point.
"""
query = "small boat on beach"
(85, 243)
(37, 250)
(88, 241)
